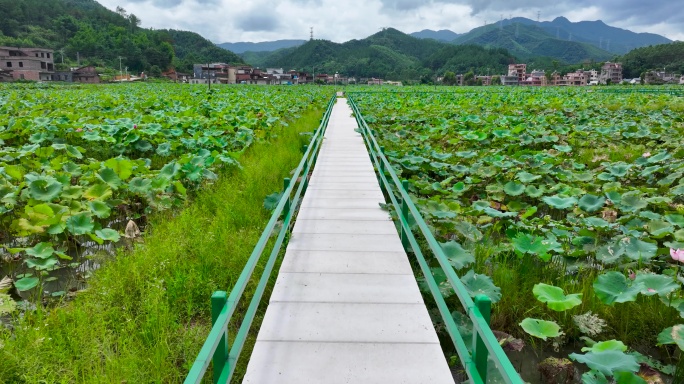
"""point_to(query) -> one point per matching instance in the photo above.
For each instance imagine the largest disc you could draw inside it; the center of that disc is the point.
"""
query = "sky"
(342, 20)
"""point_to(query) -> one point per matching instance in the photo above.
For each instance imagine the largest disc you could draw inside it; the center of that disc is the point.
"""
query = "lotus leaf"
(457, 256)
(98, 191)
(527, 177)
(655, 284)
(26, 283)
(625, 377)
(122, 167)
(591, 203)
(610, 345)
(108, 234)
(514, 189)
(637, 249)
(672, 335)
(80, 224)
(140, 185)
(100, 209)
(675, 219)
(555, 298)
(45, 188)
(110, 177)
(42, 264)
(594, 377)
(533, 191)
(41, 251)
(542, 329)
(560, 202)
(607, 362)
(477, 284)
(631, 202)
(613, 287)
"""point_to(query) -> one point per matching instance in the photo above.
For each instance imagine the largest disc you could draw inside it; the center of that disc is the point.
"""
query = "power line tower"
(311, 33)
(538, 14)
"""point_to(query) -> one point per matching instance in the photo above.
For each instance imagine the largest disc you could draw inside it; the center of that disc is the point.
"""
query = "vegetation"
(145, 313)
(100, 36)
(574, 211)
(669, 57)
(138, 149)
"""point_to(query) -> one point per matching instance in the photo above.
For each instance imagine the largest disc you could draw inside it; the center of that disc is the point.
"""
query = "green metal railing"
(217, 348)
(484, 343)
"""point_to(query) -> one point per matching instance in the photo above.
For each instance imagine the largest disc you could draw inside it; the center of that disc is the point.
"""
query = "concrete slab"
(312, 194)
(345, 363)
(344, 214)
(348, 322)
(345, 288)
(346, 262)
(359, 186)
(342, 203)
(345, 242)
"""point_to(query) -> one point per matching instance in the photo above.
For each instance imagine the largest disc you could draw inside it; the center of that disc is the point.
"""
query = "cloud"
(262, 20)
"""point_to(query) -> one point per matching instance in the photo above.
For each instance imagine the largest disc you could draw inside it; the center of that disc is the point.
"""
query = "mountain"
(388, 54)
(668, 56)
(526, 40)
(264, 46)
(441, 35)
(596, 33)
(100, 36)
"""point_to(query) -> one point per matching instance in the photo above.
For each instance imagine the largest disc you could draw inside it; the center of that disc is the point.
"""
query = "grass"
(146, 313)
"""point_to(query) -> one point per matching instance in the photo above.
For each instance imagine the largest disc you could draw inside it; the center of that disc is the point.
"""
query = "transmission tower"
(311, 33)
(538, 14)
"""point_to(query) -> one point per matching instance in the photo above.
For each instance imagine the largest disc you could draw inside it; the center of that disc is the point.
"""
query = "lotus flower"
(677, 254)
(646, 154)
(632, 275)
(135, 126)
(79, 129)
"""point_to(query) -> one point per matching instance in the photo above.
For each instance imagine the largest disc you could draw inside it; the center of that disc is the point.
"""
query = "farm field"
(567, 208)
(192, 169)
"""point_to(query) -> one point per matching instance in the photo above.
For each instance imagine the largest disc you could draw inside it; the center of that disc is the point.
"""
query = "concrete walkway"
(346, 307)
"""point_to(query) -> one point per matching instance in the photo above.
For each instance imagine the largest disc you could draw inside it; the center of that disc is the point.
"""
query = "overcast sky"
(341, 20)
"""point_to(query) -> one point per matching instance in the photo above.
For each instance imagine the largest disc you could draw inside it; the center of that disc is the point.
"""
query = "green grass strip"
(146, 313)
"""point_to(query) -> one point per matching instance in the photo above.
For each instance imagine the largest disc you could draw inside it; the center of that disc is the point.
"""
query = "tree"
(496, 80)
(449, 78)
(469, 78)
(155, 71)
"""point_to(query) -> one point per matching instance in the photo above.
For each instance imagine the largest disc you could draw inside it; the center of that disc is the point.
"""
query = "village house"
(535, 79)
(519, 70)
(86, 74)
(27, 63)
(5, 76)
(611, 73)
(177, 77)
(577, 78)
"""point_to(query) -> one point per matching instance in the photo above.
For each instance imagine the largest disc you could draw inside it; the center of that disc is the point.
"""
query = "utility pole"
(120, 70)
(78, 59)
(209, 77)
(538, 14)
(311, 36)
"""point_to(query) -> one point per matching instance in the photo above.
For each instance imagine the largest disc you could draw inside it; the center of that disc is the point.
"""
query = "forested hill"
(388, 54)
(100, 36)
(668, 56)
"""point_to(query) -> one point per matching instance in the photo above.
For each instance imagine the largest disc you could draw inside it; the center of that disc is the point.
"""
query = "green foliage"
(555, 298)
(640, 60)
(542, 329)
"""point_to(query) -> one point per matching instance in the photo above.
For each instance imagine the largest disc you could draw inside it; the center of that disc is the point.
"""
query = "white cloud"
(263, 20)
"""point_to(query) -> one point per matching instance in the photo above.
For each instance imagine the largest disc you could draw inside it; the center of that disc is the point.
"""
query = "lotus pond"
(565, 207)
(82, 166)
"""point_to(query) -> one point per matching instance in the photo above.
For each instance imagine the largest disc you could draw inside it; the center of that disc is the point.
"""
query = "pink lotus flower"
(651, 290)
(632, 275)
(135, 126)
(646, 154)
(79, 129)
(677, 254)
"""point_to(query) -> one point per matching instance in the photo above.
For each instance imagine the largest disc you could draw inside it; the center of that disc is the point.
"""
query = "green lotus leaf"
(672, 335)
(140, 185)
(143, 145)
(596, 222)
(459, 187)
(80, 224)
(526, 177)
(605, 176)
(659, 157)
(650, 215)
(72, 192)
(468, 230)
(110, 177)
(122, 167)
(26, 283)
(100, 209)
(618, 169)
(614, 196)
(637, 249)
(457, 256)
(677, 191)
(74, 152)
(7, 305)
(45, 188)
(584, 176)
(610, 254)
(271, 201)
(542, 329)
(533, 191)
(613, 287)
(170, 170)
(108, 234)
(607, 362)
(591, 203)
(466, 154)
(625, 377)
(555, 298)
(594, 377)
(98, 191)
(498, 214)
(41, 250)
(163, 149)
(631, 202)
(563, 148)
(560, 202)
(42, 264)
(654, 284)
(514, 189)
(659, 228)
(477, 284)
(675, 219)
(535, 245)
(610, 345)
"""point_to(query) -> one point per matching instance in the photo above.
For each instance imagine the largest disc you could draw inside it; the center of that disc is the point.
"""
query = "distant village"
(37, 64)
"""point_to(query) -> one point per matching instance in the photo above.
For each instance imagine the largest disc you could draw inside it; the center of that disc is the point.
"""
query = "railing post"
(480, 353)
(218, 302)
(404, 215)
(286, 184)
(305, 175)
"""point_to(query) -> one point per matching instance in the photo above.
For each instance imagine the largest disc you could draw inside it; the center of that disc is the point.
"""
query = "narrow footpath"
(346, 307)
